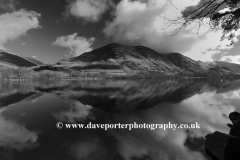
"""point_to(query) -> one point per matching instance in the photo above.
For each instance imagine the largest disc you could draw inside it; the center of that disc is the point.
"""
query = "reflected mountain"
(123, 96)
(115, 96)
(28, 128)
(12, 93)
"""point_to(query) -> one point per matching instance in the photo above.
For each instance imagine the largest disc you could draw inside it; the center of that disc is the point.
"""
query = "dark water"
(29, 113)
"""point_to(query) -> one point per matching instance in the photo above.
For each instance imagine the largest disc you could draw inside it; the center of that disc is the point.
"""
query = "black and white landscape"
(69, 67)
(116, 61)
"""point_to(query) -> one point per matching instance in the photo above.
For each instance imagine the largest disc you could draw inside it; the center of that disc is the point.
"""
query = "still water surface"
(29, 113)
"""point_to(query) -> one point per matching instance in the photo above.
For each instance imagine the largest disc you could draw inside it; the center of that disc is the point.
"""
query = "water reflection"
(77, 112)
(14, 135)
(30, 111)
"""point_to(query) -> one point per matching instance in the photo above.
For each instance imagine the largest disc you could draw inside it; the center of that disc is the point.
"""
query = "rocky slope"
(138, 60)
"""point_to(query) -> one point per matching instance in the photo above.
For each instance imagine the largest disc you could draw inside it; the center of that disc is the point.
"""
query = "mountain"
(139, 60)
(14, 61)
(127, 59)
(186, 63)
(231, 66)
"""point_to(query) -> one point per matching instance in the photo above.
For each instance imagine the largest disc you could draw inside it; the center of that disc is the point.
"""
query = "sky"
(52, 30)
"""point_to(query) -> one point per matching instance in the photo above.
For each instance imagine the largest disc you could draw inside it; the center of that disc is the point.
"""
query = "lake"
(30, 111)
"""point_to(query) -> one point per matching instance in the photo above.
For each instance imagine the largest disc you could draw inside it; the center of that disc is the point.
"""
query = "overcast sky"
(52, 30)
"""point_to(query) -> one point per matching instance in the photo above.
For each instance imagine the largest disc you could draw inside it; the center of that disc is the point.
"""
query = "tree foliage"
(221, 14)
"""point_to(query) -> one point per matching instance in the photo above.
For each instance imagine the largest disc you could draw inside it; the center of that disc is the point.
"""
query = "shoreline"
(114, 78)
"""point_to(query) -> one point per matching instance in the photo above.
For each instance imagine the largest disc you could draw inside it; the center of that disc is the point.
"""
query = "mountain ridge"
(127, 58)
(116, 60)
(232, 66)
(12, 60)
(134, 60)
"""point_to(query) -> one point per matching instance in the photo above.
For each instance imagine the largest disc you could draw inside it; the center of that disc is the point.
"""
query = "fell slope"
(126, 58)
(232, 66)
(185, 63)
(14, 61)
(139, 60)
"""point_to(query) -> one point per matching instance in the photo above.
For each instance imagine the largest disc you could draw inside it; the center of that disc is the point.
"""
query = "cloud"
(90, 148)
(164, 145)
(208, 109)
(23, 44)
(144, 23)
(35, 57)
(90, 10)
(9, 5)
(76, 45)
(231, 59)
(14, 135)
(215, 119)
(208, 46)
(141, 22)
(16, 24)
(198, 6)
(232, 95)
(77, 111)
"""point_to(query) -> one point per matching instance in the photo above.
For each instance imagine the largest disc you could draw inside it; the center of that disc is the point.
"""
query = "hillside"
(14, 61)
(138, 60)
(185, 63)
(126, 59)
(231, 66)
(115, 60)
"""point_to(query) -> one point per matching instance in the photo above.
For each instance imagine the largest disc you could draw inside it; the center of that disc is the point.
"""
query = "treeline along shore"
(55, 73)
